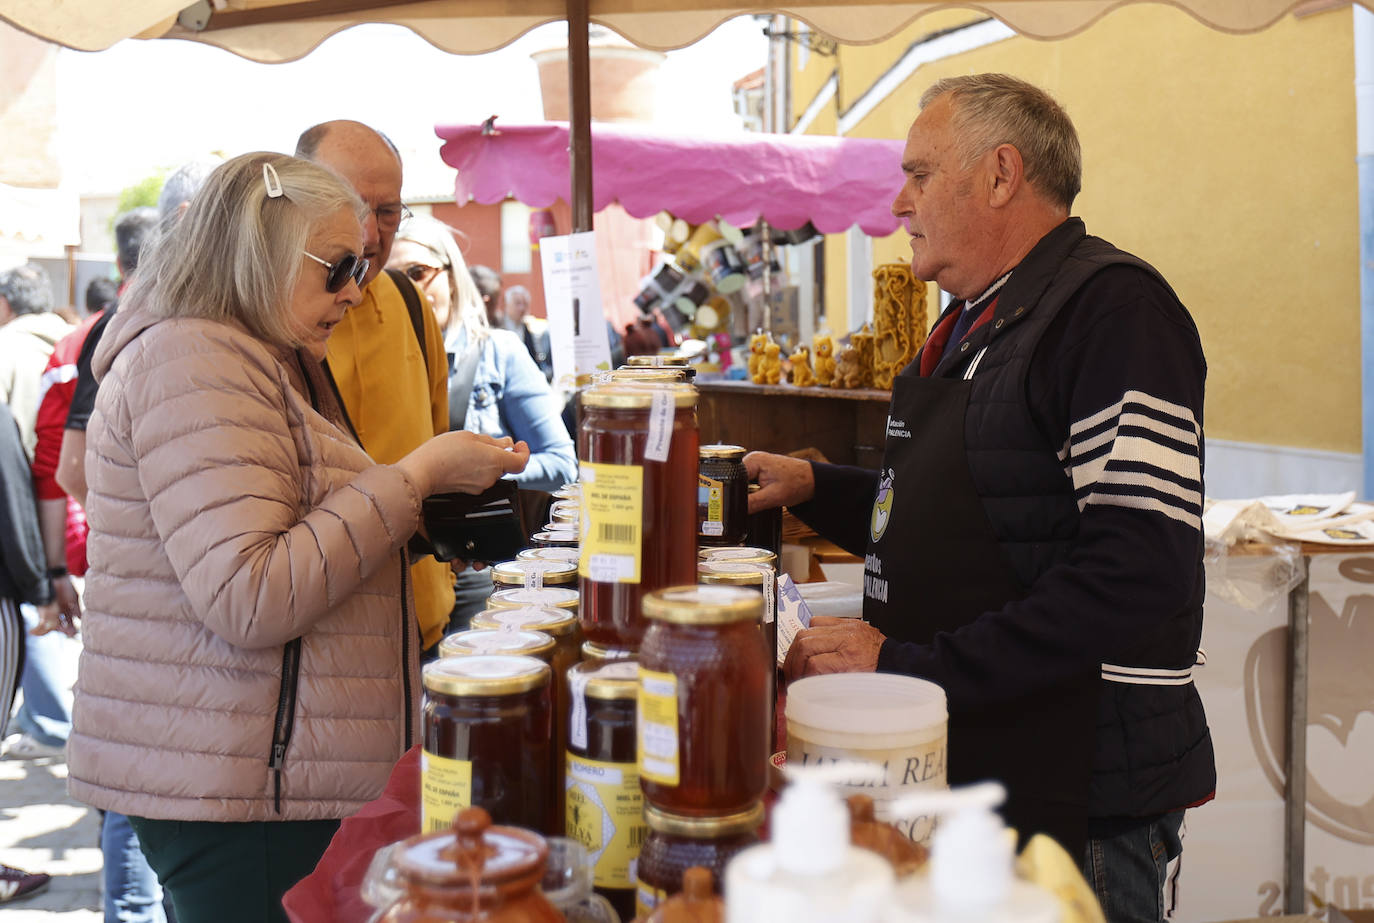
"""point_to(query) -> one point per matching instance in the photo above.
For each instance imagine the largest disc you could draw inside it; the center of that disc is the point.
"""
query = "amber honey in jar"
(533, 574)
(487, 725)
(638, 445)
(722, 495)
(562, 626)
(675, 843)
(704, 680)
(473, 641)
(605, 807)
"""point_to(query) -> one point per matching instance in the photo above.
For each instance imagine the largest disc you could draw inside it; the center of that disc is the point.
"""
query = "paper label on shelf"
(660, 438)
(445, 789)
(612, 498)
(793, 615)
(606, 815)
(657, 727)
(578, 340)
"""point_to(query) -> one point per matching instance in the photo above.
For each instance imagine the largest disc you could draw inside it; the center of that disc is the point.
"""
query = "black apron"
(935, 565)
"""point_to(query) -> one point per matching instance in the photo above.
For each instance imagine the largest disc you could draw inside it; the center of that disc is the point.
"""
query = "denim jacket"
(511, 398)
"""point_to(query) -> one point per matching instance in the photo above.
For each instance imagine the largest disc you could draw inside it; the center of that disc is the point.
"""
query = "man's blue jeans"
(1134, 873)
(49, 671)
(132, 892)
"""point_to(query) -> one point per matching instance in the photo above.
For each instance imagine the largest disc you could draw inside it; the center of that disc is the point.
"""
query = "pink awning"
(786, 179)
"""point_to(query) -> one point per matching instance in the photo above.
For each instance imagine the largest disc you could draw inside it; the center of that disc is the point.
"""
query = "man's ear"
(1008, 174)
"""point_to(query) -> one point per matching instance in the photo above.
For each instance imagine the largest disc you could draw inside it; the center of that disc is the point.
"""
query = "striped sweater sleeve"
(1116, 386)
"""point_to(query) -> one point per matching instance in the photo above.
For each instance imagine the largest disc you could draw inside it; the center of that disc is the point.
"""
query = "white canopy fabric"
(283, 30)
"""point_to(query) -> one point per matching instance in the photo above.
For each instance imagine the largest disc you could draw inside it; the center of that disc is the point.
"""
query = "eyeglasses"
(348, 266)
(389, 217)
(422, 274)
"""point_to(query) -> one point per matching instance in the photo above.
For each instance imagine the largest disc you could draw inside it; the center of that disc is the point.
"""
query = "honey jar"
(595, 653)
(704, 679)
(638, 446)
(534, 574)
(605, 807)
(676, 843)
(550, 537)
(567, 555)
(474, 641)
(522, 597)
(722, 495)
(561, 625)
(487, 726)
(471, 871)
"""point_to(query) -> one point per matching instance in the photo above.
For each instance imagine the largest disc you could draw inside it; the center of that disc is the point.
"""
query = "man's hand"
(62, 613)
(833, 645)
(783, 481)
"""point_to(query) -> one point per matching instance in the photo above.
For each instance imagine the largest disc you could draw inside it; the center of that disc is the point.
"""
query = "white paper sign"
(793, 615)
(572, 297)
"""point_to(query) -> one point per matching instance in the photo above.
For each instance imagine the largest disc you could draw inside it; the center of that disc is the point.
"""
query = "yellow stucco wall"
(1226, 161)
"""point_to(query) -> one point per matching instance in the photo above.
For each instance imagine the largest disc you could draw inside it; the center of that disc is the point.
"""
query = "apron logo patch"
(896, 429)
(882, 506)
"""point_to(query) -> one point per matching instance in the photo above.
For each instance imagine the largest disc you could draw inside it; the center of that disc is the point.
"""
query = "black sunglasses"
(348, 266)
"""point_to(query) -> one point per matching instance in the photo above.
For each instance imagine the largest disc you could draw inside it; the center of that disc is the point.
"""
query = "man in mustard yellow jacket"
(395, 394)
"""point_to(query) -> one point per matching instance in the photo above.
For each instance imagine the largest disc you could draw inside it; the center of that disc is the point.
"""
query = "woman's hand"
(463, 462)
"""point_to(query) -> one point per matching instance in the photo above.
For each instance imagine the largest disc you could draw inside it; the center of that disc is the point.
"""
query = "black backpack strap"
(411, 295)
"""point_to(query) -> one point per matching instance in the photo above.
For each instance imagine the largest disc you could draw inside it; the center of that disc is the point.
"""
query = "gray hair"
(465, 302)
(182, 185)
(27, 288)
(235, 254)
(993, 109)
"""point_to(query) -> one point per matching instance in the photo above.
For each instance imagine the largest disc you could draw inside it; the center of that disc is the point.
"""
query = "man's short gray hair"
(184, 183)
(27, 288)
(236, 253)
(994, 109)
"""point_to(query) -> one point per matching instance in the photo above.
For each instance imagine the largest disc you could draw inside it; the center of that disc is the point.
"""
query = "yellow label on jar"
(710, 503)
(606, 815)
(657, 727)
(445, 789)
(612, 512)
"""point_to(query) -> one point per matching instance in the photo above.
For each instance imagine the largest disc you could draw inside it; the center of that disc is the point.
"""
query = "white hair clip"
(271, 181)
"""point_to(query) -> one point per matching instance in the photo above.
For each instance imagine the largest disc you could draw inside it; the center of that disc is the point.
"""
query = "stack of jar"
(703, 733)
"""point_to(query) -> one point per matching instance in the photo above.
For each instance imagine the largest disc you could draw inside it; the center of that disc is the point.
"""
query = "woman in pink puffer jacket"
(249, 671)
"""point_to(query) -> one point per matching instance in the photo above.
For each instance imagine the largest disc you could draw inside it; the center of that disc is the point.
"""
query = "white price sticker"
(660, 426)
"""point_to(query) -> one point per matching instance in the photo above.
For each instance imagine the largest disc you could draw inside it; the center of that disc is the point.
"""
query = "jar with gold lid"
(522, 597)
(550, 553)
(704, 680)
(474, 641)
(630, 373)
(533, 573)
(487, 724)
(551, 537)
(722, 496)
(566, 513)
(471, 871)
(746, 554)
(605, 810)
(596, 653)
(662, 362)
(638, 446)
(676, 843)
(562, 626)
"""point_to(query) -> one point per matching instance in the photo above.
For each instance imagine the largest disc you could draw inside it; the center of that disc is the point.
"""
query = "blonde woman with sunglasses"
(249, 675)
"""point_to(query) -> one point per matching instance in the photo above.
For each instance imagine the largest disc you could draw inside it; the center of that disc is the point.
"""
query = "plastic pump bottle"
(809, 872)
(971, 876)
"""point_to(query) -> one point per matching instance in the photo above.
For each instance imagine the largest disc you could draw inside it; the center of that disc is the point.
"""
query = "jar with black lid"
(676, 843)
(605, 807)
(722, 495)
(487, 725)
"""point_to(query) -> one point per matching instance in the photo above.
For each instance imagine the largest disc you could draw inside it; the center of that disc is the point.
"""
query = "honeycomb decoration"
(899, 316)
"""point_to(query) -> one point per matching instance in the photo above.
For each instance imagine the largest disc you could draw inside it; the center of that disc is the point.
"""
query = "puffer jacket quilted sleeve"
(228, 518)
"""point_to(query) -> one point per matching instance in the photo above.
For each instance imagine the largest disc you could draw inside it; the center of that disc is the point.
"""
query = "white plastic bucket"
(898, 722)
